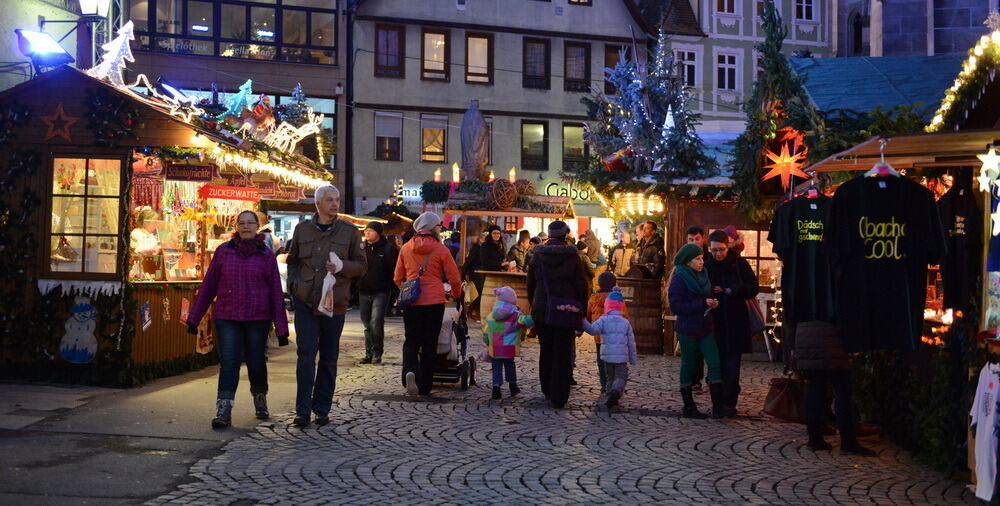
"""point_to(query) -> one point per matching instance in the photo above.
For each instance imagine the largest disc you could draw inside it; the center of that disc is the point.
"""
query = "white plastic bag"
(447, 343)
(326, 302)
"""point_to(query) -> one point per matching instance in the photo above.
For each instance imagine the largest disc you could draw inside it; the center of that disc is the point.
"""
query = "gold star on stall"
(59, 124)
(785, 165)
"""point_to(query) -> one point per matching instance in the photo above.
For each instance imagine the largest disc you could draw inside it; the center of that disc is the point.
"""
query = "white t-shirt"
(984, 419)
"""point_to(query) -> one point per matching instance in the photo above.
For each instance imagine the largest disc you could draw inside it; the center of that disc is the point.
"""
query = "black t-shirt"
(963, 226)
(797, 234)
(883, 231)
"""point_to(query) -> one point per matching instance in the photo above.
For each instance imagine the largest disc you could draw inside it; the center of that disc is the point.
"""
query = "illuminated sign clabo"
(558, 190)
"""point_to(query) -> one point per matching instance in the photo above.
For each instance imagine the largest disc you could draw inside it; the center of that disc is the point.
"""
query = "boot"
(496, 393)
(852, 447)
(514, 390)
(224, 414)
(716, 390)
(260, 405)
(690, 408)
(818, 444)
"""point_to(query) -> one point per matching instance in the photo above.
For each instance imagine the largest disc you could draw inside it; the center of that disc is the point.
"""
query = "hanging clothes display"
(797, 237)
(883, 232)
(984, 423)
(962, 220)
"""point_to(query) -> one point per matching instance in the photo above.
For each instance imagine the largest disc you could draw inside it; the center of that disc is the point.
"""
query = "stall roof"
(942, 149)
(873, 82)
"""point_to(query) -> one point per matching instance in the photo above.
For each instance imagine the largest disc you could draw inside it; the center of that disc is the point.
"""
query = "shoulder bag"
(410, 291)
(755, 317)
(560, 312)
(786, 399)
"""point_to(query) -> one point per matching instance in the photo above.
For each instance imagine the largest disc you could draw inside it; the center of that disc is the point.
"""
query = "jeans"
(731, 363)
(421, 324)
(554, 366)
(373, 307)
(817, 383)
(601, 373)
(236, 341)
(617, 377)
(504, 367)
(693, 349)
(316, 334)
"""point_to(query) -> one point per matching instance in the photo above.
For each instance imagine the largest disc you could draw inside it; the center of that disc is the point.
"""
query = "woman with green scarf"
(690, 299)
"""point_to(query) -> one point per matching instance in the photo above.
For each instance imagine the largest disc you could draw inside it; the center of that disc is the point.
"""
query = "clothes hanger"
(882, 168)
(812, 191)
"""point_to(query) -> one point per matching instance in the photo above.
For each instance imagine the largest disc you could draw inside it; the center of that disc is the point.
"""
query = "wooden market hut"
(82, 305)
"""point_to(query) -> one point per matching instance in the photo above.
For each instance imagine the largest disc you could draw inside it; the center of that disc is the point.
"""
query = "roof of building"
(874, 82)
(679, 19)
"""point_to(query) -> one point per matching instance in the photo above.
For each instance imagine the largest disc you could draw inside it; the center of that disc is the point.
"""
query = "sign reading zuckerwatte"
(185, 172)
(229, 193)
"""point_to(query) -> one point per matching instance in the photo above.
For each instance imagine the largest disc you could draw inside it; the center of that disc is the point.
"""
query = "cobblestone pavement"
(461, 447)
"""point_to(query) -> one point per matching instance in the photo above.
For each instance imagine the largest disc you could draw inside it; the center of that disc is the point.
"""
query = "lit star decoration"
(989, 170)
(59, 123)
(785, 165)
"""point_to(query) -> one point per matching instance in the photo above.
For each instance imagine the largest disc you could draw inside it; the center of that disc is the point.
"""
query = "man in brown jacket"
(308, 262)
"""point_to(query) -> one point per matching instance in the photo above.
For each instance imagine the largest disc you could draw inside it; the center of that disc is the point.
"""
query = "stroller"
(454, 363)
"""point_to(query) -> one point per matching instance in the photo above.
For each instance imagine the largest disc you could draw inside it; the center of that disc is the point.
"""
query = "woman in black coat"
(733, 283)
(488, 256)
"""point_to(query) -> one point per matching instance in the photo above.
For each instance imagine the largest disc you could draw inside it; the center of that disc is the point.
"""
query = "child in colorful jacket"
(595, 309)
(502, 334)
(617, 344)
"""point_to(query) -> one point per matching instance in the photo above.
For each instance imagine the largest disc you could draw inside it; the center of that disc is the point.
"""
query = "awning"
(904, 151)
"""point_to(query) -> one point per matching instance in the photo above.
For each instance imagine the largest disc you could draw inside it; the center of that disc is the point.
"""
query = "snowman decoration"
(79, 345)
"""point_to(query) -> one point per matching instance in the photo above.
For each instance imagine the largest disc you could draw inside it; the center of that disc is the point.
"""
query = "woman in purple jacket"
(689, 292)
(243, 281)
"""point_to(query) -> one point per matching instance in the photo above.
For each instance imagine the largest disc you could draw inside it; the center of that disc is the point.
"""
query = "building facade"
(418, 65)
(910, 27)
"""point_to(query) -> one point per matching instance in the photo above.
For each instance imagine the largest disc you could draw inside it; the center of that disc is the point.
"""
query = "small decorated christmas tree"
(116, 53)
(296, 112)
(238, 102)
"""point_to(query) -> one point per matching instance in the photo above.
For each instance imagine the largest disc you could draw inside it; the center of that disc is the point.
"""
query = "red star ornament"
(59, 124)
(785, 165)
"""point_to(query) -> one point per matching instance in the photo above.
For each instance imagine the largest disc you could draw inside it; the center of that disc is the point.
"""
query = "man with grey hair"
(308, 262)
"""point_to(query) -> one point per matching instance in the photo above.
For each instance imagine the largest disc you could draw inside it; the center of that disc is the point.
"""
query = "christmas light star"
(785, 165)
(991, 163)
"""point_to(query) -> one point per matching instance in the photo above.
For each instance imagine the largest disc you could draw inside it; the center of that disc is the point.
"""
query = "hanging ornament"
(116, 53)
(785, 165)
(59, 124)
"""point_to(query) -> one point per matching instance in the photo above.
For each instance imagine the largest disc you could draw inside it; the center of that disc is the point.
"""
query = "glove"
(283, 340)
(192, 329)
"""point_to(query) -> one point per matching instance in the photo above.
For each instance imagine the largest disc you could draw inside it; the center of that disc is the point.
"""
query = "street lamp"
(94, 7)
(43, 50)
(92, 12)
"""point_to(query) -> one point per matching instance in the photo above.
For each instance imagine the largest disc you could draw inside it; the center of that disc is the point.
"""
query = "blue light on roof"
(199, 28)
(265, 33)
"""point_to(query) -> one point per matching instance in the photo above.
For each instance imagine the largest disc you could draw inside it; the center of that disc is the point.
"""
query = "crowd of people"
(571, 286)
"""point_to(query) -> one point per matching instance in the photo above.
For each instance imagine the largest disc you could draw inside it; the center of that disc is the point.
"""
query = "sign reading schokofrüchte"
(185, 172)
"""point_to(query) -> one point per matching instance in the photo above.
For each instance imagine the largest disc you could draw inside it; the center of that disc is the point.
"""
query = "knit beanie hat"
(606, 281)
(615, 300)
(506, 294)
(378, 227)
(491, 228)
(558, 229)
(687, 253)
(731, 232)
(426, 221)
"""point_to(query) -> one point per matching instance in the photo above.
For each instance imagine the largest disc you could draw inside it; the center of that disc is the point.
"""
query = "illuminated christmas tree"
(116, 53)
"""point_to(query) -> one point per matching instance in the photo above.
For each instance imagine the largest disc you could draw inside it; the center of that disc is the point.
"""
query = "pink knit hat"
(615, 301)
(506, 294)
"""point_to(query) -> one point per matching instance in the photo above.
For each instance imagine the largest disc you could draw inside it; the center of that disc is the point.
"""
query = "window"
(489, 137)
(534, 145)
(301, 31)
(580, 2)
(763, 261)
(435, 56)
(390, 51)
(857, 35)
(575, 151)
(479, 58)
(388, 135)
(725, 6)
(612, 55)
(804, 10)
(537, 65)
(433, 138)
(726, 72)
(687, 65)
(86, 209)
(577, 67)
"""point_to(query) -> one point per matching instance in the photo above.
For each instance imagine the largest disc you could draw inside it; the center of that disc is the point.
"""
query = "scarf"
(246, 248)
(695, 281)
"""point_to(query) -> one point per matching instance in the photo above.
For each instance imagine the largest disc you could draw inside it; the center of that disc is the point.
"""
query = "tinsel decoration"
(473, 186)
(525, 187)
(23, 163)
(111, 116)
(500, 194)
(11, 118)
(529, 204)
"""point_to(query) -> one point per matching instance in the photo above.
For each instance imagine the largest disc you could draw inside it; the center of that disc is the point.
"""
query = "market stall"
(114, 202)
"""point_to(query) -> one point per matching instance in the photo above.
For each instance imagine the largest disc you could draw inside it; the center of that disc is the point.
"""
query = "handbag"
(786, 399)
(756, 317)
(560, 312)
(410, 291)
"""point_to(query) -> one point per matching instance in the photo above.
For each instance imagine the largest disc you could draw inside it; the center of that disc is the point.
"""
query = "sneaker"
(496, 393)
(411, 383)
(377, 360)
(300, 421)
(613, 399)
(366, 360)
(514, 390)
(321, 420)
(224, 412)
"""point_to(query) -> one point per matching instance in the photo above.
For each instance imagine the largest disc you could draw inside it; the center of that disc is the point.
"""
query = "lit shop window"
(435, 57)
(433, 138)
(479, 58)
(86, 209)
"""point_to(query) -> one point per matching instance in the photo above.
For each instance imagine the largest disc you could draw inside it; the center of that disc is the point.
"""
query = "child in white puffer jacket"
(617, 344)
